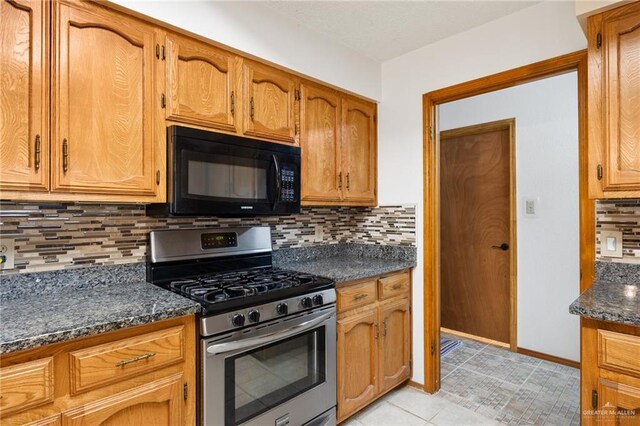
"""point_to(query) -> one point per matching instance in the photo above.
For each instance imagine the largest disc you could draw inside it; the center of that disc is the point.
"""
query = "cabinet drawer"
(394, 285)
(356, 295)
(116, 361)
(617, 351)
(26, 385)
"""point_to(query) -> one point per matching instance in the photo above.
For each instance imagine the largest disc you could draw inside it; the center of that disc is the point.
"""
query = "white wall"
(548, 245)
(533, 34)
(257, 30)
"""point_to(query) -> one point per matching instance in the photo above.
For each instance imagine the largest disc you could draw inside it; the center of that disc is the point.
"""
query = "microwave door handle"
(221, 348)
(278, 182)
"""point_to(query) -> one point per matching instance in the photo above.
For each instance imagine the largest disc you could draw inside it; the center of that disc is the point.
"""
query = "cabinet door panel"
(320, 144)
(359, 151)
(619, 404)
(270, 104)
(105, 141)
(200, 84)
(357, 361)
(160, 402)
(395, 352)
(622, 99)
(24, 95)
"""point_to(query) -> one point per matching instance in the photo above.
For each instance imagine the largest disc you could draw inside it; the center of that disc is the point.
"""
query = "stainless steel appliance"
(223, 175)
(267, 353)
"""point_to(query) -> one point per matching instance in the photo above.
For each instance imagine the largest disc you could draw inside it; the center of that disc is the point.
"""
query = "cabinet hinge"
(163, 101)
(599, 172)
(432, 134)
(599, 40)
(594, 399)
(433, 348)
(296, 94)
(185, 391)
(164, 56)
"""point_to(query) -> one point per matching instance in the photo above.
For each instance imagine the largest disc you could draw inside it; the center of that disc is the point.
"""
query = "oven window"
(227, 177)
(259, 380)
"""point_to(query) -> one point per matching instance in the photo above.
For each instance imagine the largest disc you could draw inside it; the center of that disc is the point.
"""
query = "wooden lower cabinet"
(374, 341)
(137, 376)
(610, 374)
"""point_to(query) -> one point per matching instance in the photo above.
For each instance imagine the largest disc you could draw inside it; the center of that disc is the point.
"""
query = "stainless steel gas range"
(267, 353)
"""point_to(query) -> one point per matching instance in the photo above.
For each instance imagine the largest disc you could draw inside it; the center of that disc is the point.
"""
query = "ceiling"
(383, 30)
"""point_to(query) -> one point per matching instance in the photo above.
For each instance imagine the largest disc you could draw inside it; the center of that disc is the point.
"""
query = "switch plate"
(7, 252)
(610, 243)
(531, 206)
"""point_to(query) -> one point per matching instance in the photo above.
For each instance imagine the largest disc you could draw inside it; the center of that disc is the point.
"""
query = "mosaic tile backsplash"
(620, 215)
(50, 236)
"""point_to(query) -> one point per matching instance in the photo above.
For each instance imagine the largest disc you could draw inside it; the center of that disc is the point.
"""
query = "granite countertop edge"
(604, 315)
(611, 301)
(7, 347)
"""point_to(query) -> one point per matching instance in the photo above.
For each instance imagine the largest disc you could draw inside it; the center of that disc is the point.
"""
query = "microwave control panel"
(288, 178)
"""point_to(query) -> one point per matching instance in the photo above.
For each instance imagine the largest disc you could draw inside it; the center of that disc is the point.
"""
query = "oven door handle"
(278, 182)
(221, 348)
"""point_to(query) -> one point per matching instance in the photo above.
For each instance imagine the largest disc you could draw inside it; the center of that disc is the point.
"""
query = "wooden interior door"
(24, 95)
(105, 105)
(621, 43)
(357, 366)
(395, 351)
(159, 402)
(320, 144)
(359, 150)
(201, 82)
(619, 404)
(475, 222)
(269, 103)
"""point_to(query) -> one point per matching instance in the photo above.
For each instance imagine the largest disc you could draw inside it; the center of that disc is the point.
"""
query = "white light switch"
(610, 243)
(531, 206)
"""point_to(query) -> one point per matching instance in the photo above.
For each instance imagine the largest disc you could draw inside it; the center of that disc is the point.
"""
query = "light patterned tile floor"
(484, 385)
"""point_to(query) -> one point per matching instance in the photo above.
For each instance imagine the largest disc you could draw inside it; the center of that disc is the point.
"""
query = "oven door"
(223, 178)
(282, 373)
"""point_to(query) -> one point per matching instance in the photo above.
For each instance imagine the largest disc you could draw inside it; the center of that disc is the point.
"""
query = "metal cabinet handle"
(360, 296)
(233, 104)
(340, 180)
(65, 155)
(384, 328)
(396, 286)
(377, 331)
(37, 153)
(348, 184)
(252, 109)
(135, 359)
(503, 247)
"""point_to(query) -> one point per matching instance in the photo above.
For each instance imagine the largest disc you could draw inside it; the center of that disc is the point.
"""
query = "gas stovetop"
(236, 289)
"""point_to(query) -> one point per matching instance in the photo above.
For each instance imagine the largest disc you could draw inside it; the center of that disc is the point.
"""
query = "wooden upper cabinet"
(614, 102)
(24, 95)
(395, 351)
(106, 107)
(359, 150)
(320, 139)
(159, 401)
(270, 105)
(200, 83)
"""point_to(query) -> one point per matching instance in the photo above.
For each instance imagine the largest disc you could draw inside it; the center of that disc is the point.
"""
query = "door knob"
(503, 246)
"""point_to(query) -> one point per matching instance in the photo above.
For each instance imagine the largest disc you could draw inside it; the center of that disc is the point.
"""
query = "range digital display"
(219, 240)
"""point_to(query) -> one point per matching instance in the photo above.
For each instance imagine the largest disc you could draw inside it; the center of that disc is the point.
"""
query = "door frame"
(510, 125)
(576, 61)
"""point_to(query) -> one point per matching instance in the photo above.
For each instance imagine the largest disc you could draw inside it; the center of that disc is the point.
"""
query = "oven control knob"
(306, 302)
(318, 300)
(254, 316)
(282, 308)
(237, 320)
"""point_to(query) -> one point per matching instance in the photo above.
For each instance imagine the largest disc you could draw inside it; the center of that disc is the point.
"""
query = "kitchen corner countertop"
(609, 301)
(67, 311)
(346, 262)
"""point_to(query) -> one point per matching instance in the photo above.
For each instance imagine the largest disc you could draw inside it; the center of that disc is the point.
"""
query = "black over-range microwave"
(213, 174)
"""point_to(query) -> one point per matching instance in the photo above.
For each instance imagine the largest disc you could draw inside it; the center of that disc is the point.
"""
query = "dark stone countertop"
(50, 307)
(609, 301)
(346, 262)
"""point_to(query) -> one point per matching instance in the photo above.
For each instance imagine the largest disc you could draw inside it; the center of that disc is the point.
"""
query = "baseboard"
(476, 338)
(547, 357)
(416, 385)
